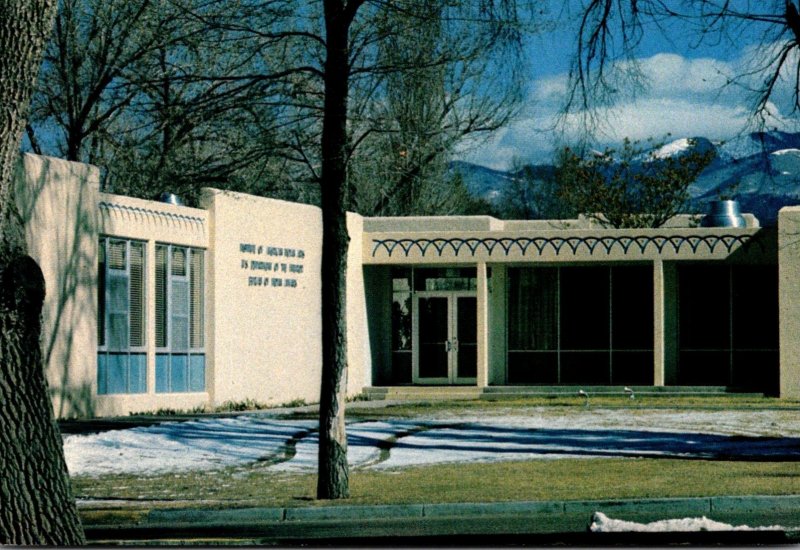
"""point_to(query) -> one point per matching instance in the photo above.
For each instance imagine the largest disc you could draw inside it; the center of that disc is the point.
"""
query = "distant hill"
(760, 169)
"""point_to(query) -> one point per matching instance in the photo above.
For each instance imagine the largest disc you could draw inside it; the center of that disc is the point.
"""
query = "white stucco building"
(152, 305)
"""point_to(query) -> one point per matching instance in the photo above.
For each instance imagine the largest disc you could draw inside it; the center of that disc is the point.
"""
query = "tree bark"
(36, 506)
(333, 478)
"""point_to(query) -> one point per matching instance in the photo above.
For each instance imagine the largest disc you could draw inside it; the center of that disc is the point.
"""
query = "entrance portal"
(445, 338)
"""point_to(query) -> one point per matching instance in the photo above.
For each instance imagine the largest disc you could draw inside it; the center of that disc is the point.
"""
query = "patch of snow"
(673, 148)
(782, 152)
(364, 441)
(603, 524)
(493, 435)
(180, 446)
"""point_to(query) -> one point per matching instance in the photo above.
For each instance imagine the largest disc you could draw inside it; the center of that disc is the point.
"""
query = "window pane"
(755, 307)
(161, 296)
(180, 298)
(180, 334)
(401, 321)
(756, 371)
(704, 368)
(585, 367)
(529, 367)
(451, 278)
(118, 331)
(632, 368)
(196, 290)
(533, 309)
(703, 303)
(632, 307)
(118, 298)
(178, 375)
(401, 279)
(197, 373)
(401, 367)
(138, 373)
(179, 328)
(585, 308)
(162, 373)
(102, 374)
(433, 335)
(117, 373)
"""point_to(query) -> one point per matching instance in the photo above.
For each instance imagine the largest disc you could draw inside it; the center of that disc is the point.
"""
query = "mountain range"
(760, 169)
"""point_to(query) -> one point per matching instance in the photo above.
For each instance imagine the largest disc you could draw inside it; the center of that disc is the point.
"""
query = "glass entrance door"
(445, 334)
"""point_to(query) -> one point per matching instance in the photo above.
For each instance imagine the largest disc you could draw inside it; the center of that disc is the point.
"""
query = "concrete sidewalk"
(462, 523)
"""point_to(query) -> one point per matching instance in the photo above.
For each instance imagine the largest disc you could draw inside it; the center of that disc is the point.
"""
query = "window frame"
(104, 349)
(164, 348)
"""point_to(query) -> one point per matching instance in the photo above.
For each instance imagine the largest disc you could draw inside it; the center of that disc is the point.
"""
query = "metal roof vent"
(724, 213)
(171, 198)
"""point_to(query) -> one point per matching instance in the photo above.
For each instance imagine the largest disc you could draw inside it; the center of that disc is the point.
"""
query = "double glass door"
(445, 338)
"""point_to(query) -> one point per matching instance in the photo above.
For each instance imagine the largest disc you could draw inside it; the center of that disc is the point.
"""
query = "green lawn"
(564, 479)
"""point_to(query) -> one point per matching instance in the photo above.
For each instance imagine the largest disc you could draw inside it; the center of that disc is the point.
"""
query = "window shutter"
(137, 297)
(117, 254)
(161, 296)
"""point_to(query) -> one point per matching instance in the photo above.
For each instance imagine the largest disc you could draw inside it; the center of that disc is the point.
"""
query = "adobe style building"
(153, 305)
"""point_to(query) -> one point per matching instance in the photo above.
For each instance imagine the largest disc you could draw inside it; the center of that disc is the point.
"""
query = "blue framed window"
(121, 358)
(180, 340)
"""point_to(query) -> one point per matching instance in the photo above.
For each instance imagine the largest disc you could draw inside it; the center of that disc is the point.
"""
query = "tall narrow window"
(121, 360)
(180, 354)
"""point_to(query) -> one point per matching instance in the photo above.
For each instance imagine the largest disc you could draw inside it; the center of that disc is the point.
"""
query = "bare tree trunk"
(333, 479)
(36, 506)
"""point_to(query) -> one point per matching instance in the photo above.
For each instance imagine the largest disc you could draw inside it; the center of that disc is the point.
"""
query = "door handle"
(448, 347)
(455, 345)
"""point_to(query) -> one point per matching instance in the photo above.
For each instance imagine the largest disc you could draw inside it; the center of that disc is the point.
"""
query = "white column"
(483, 326)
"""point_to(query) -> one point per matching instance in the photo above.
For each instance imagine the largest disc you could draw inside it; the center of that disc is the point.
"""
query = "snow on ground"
(180, 446)
(364, 440)
(603, 524)
(771, 423)
(496, 435)
(673, 148)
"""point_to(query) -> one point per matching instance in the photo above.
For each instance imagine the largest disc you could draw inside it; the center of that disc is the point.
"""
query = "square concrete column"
(789, 300)
(665, 323)
(483, 326)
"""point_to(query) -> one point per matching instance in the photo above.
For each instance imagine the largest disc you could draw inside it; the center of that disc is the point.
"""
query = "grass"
(563, 479)
(566, 479)
(453, 407)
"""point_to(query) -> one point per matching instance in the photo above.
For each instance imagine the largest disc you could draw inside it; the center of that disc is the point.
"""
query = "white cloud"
(684, 97)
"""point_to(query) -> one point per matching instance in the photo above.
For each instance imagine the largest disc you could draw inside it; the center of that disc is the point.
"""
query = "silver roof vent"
(171, 198)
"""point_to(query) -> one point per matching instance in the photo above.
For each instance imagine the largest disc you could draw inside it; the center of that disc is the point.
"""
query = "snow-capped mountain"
(761, 170)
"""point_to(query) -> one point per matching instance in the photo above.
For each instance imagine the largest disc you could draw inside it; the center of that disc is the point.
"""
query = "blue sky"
(686, 95)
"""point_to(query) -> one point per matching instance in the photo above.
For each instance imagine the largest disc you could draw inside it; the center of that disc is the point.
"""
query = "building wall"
(789, 300)
(264, 340)
(57, 201)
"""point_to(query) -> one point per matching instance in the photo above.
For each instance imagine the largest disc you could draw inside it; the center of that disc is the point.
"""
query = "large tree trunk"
(333, 479)
(35, 502)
